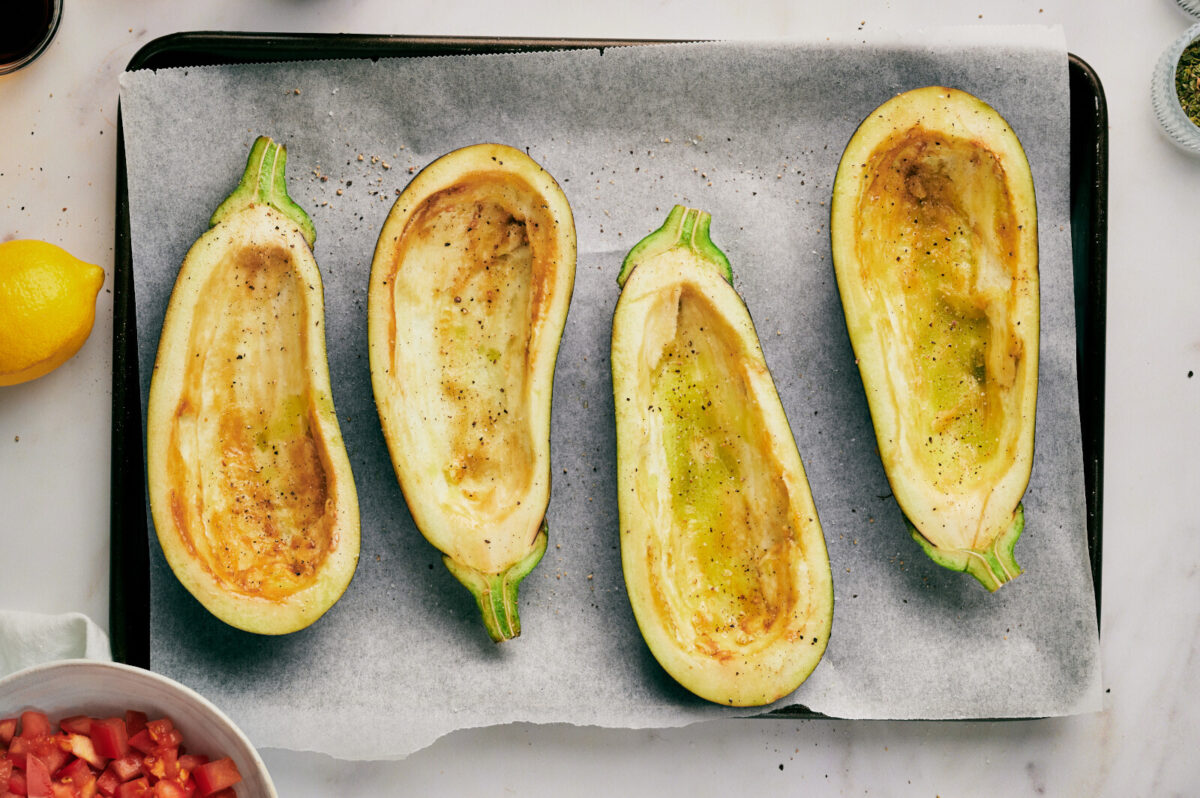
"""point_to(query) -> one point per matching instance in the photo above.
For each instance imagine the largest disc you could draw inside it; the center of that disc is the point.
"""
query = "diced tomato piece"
(134, 721)
(8, 730)
(142, 742)
(16, 783)
(62, 789)
(46, 748)
(52, 752)
(76, 772)
(162, 764)
(190, 762)
(170, 760)
(107, 782)
(37, 778)
(168, 789)
(225, 793)
(83, 747)
(17, 750)
(35, 724)
(110, 738)
(217, 775)
(160, 728)
(126, 767)
(76, 724)
(138, 788)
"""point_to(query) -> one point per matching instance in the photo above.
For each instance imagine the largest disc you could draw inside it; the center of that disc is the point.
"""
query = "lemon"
(47, 308)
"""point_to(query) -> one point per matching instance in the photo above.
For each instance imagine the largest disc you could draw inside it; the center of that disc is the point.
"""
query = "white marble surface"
(57, 175)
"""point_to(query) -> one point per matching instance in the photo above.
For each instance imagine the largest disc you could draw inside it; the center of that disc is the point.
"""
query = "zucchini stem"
(684, 228)
(264, 183)
(496, 594)
(993, 567)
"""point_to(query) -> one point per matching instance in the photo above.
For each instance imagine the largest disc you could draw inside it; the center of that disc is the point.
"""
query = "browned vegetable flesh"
(933, 227)
(721, 548)
(250, 481)
(470, 286)
(944, 282)
(467, 258)
(733, 537)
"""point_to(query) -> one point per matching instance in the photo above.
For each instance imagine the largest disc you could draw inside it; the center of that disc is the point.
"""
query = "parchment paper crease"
(751, 133)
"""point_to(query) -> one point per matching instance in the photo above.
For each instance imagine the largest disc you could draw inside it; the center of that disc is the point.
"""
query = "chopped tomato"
(35, 724)
(126, 767)
(110, 738)
(76, 771)
(76, 724)
(142, 742)
(115, 757)
(18, 748)
(214, 776)
(52, 753)
(37, 778)
(159, 729)
(163, 763)
(83, 747)
(138, 788)
(134, 721)
(107, 782)
(47, 748)
(169, 789)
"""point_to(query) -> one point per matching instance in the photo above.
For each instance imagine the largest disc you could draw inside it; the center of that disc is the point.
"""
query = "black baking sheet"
(129, 620)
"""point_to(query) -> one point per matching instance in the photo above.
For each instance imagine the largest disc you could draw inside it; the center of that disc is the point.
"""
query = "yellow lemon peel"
(47, 308)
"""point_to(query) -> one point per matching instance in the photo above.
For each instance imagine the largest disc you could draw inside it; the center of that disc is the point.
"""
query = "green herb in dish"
(1187, 81)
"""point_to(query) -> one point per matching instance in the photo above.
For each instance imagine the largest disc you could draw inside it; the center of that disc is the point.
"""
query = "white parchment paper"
(751, 133)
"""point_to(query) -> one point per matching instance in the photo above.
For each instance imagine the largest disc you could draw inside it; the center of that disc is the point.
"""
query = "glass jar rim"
(56, 7)
(1181, 130)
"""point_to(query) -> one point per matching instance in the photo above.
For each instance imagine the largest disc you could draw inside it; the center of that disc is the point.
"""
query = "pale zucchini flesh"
(250, 485)
(721, 546)
(470, 285)
(934, 230)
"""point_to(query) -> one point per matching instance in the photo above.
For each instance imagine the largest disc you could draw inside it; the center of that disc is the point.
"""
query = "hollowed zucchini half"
(934, 234)
(250, 487)
(722, 550)
(470, 285)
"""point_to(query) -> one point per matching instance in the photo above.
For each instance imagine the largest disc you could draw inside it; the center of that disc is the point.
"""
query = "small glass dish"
(1190, 6)
(1163, 94)
(30, 27)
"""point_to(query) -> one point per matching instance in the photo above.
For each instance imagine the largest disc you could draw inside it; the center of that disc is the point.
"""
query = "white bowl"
(1179, 129)
(107, 689)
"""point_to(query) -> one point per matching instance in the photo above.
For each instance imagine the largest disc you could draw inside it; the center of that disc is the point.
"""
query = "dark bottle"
(28, 27)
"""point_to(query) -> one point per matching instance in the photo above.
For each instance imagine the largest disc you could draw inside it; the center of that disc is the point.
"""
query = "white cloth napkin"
(31, 638)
